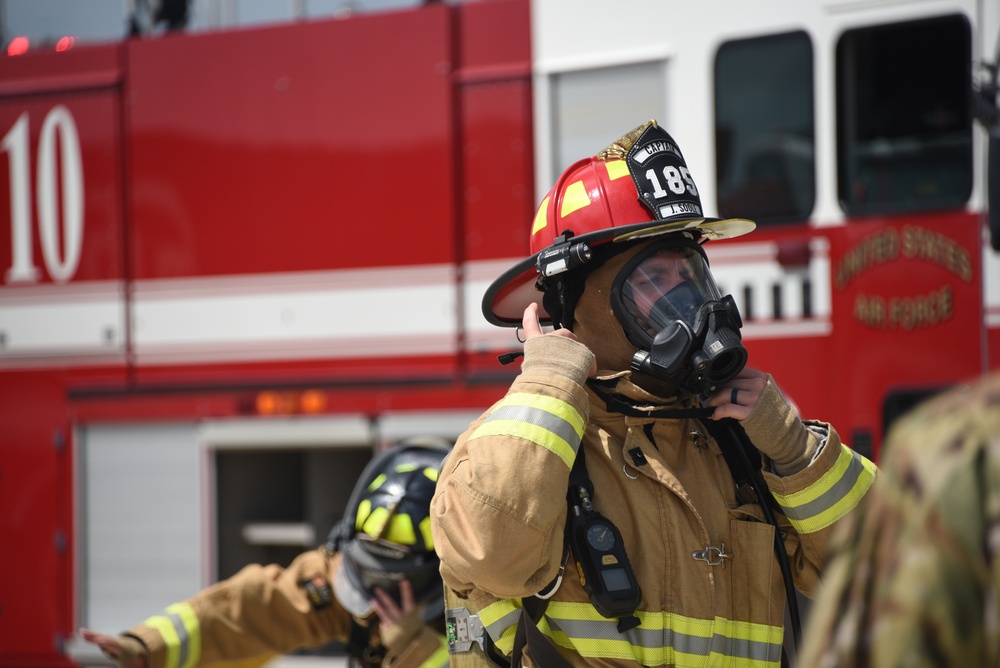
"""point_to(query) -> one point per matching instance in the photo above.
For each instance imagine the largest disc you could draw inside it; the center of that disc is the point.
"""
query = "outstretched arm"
(127, 651)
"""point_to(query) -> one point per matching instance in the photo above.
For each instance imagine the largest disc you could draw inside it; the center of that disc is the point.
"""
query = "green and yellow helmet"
(385, 535)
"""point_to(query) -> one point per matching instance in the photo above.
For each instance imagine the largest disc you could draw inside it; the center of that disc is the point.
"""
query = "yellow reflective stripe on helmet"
(181, 634)
(575, 197)
(616, 169)
(401, 530)
(541, 217)
(500, 621)
(396, 528)
(425, 531)
(546, 421)
(440, 657)
(831, 497)
(662, 638)
(364, 512)
(377, 482)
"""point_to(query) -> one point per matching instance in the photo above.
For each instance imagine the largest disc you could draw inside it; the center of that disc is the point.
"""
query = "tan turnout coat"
(499, 517)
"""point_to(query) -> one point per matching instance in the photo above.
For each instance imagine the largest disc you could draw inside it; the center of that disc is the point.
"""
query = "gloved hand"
(400, 623)
(775, 428)
(770, 422)
(408, 641)
(126, 650)
(540, 348)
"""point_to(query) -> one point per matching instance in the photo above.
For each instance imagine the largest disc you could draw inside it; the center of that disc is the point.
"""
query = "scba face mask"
(687, 333)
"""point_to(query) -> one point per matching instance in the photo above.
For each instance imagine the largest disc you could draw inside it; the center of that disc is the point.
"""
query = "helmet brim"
(507, 297)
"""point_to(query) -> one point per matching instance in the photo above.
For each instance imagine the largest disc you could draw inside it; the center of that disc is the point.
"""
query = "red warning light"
(65, 43)
(17, 46)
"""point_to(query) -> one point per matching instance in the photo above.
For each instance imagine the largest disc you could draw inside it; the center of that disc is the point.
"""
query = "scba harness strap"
(363, 653)
(744, 462)
(605, 571)
(527, 634)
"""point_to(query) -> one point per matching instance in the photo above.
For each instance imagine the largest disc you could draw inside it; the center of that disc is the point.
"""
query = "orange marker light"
(267, 403)
(312, 401)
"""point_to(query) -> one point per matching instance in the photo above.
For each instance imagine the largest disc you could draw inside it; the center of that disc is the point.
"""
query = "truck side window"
(764, 132)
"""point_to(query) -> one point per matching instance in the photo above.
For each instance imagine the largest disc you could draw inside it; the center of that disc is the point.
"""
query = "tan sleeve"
(499, 511)
(259, 612)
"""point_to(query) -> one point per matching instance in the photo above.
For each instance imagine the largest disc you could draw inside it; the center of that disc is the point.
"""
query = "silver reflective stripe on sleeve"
(548, 422)
(181, 633)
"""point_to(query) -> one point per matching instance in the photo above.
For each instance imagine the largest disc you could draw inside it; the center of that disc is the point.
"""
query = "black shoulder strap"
(578, 476)
(739, 466)
(745, 464)
(532, 607)
(360, 648)
(543, 651)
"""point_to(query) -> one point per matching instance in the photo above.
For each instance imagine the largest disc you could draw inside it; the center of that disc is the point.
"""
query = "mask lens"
(667, 285)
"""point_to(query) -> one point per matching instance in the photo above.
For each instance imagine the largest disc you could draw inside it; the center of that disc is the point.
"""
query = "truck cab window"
(904, 130)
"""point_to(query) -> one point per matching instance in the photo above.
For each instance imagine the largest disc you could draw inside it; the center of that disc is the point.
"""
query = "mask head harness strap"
(563, 269)
(560, 286)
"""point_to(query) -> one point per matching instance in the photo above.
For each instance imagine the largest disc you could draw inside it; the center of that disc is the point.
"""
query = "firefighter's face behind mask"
(671, 310)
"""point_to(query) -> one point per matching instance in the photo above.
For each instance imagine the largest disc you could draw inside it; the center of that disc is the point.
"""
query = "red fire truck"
(238, 261)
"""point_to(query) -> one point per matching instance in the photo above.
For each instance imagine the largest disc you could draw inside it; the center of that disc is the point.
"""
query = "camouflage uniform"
(915, 581)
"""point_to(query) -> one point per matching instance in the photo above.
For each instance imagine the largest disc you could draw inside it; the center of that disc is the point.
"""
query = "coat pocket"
(758, 592)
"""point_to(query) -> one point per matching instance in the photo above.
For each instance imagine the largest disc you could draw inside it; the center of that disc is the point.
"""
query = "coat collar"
(616, 394)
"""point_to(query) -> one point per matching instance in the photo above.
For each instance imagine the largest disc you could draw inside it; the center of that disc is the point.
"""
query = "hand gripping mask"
(687, 333)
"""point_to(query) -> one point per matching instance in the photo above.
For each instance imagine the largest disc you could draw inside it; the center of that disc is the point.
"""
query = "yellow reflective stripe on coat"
(500, 621)
(546, 421)
(181, 633)
(831, 497)
(661, 639)
(440, 657)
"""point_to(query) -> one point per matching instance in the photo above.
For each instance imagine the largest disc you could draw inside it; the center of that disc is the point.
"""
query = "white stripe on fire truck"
(375, 312)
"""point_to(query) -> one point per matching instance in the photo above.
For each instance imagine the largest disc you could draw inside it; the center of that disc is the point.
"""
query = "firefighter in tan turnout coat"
(374, 586)
(657, 548)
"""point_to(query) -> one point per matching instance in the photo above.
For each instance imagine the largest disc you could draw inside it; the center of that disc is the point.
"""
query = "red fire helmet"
(638, 187)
